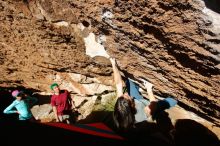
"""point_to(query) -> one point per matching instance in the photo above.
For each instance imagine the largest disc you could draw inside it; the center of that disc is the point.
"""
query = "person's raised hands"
(113, 61)
(147, 84)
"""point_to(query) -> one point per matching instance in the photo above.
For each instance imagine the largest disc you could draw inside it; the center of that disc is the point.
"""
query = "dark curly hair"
(124, 112)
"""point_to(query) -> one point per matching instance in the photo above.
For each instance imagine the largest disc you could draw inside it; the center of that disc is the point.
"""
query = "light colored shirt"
(140, 114)
(22, 107)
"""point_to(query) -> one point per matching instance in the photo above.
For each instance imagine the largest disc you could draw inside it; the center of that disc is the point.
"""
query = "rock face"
(172, 44)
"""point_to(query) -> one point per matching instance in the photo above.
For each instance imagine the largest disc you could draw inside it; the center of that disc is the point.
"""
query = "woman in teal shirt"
(22, 104)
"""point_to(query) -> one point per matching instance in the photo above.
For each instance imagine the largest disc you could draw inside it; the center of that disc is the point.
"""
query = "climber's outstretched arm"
(117, 78)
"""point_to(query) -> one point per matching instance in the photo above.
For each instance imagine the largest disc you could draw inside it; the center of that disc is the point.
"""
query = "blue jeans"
(133, 90)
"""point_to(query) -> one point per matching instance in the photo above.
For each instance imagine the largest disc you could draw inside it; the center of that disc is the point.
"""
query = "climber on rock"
(62, 104)
(131, 107)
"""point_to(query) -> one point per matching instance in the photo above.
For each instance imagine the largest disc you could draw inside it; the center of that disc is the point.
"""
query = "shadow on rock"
(5, 100)
(214, 5)
(191, 133)
(99, 116)
(165, 125)
(42, 99)
(146, 133)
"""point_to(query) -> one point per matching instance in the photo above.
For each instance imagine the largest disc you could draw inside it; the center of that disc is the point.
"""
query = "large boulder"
(173, 44)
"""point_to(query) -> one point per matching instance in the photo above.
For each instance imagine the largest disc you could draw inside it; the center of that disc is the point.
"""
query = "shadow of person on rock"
(191, 133)
(42, 99)
(165, 125)
(99, 116)
(148, 133)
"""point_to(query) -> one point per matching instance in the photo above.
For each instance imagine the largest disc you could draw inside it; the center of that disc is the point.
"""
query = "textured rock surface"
(173, 44)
